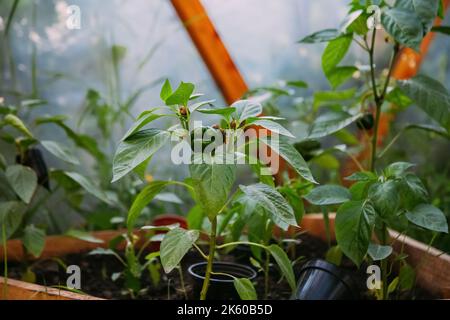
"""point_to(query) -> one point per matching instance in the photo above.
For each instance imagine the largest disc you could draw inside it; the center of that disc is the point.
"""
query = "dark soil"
(96, 272)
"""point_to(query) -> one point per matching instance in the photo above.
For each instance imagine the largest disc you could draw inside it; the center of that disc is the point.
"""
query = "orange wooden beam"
(211, 48)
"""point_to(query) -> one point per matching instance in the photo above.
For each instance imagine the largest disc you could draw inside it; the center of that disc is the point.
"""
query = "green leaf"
(274, 127)
(245, 289)
(182, 95)
(83, 235)
(166, 90)
(284, 263)
(288, 152)
(431, 96)
(273, 202)
(11, 215)
(328, 195)
(441, 29)
(378, 252)
(136, 149)
(362, 176)
(143, 199)
(142, 120)
(23, 180)
(330, 123)
(212, 184)
(340, 75)
(60, 151)
(321, 36)
(426, 10)
(15, 122)
(175, 245)
(328, 97)
(88, 185)
(34, 240)
(246, 109)
(399, 98)
(393, 285)
(428, 217)
(404, 26)
(416, 191)
(334, 255)
(354, 223)
(335, 52)
(195, 218)
(297, 84)
(385, 197)
(406, 277)
(226, 112)
(397, 169)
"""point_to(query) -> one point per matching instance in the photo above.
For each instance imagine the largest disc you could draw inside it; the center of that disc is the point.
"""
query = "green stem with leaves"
(379, 100)
(212, 250)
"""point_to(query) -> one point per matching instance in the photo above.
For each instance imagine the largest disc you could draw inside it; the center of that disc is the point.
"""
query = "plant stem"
(5, 261)
(212, 249)
(266, 275)
(180, 271)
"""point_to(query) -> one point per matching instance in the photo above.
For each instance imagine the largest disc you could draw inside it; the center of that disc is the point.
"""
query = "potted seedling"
(380, 197)
(212, 155)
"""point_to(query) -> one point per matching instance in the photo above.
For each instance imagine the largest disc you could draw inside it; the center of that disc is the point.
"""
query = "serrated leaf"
(378, 252)
(137, 149)
(33, 240)
(23, 180)
(245, 289)
(60, 151)
(175, 245)
(428, 217)
(354, 223)
(278, 208)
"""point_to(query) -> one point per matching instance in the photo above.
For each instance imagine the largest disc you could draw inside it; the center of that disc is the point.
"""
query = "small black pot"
(220, 287)
(320, 280)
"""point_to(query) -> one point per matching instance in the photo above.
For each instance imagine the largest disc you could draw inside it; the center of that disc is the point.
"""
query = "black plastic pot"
(221, 287)
(320, 280)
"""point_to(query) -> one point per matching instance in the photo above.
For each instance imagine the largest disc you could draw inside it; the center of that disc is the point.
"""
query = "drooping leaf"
(404, 26)
(11, 214)
(136, 149)
(428, 217)
(284, 264)
(33, 240)
(288, 152)
(321, 36)
(23, 180)
(143, 199)
(212, 184)
(278, 208)
(245, 289)
(378, 252)
(328, 195)
(83, 235)
(15, 122)
(88, 185)
(175, 245)
(431, 96)
(354, 223)
(60, 151)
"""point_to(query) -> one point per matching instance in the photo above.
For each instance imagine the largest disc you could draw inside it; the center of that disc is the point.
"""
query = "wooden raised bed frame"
(432, 265)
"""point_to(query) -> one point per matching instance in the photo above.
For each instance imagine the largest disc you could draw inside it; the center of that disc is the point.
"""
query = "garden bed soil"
(97, 270)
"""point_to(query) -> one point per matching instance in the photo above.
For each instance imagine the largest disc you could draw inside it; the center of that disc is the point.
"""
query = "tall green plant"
(394, 196)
